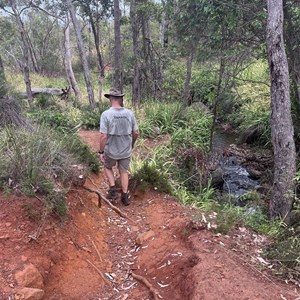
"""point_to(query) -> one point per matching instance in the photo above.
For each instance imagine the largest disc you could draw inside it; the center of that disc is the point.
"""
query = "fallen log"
(49, 91)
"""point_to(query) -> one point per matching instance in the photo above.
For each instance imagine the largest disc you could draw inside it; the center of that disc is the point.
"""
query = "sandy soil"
(178, 261)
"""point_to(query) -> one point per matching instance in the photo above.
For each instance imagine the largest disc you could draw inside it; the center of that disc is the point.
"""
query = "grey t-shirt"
(118, 124)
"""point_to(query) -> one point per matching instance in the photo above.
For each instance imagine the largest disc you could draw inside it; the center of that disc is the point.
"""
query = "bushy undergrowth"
(38, 160)
(65, 116)
(155, 118)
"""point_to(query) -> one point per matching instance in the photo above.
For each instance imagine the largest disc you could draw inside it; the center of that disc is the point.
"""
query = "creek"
(236, 179)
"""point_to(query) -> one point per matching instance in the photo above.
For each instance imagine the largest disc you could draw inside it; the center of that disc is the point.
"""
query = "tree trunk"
(217, 99)
(292, 49)
(136, 86)
(164, 30)
(82, 54)
(100, 64)
(25, 49)
(32, 55)
(3, 86)
(68, 62)
(281, 119)
(118, 47)
(187, 89)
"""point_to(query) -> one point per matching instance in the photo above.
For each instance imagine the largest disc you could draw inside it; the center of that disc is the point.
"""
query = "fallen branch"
(98, 253)
(147, 284)
(99, 272)
(118, 211)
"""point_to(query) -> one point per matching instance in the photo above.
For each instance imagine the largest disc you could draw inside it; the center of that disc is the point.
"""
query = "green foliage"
(81, 151)
(53, 119)
(195, 131)
(149, 176)
(155, 118)
(253, 102)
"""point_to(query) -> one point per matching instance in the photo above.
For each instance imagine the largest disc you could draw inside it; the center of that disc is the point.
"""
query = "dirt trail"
(179, 262)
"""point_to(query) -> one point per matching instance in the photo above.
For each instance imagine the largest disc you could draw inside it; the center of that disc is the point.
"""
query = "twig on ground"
(100, 196)
(97, 250)
(147, 284)
(91, 180)
(99, 272)
(97, 193)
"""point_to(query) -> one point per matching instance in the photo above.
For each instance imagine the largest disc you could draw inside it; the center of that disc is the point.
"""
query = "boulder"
(140, 240)
(30, 277)
(31, 294)
(217, 178)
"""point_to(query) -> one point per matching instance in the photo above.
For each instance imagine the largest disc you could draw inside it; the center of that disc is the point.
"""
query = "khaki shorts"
(123, 164)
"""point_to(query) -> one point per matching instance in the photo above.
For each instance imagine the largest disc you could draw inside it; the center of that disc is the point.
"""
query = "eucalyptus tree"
(118, 82)
(82, 53)
(97, 11)
(283, 190)
(3, 86)
(15, 9)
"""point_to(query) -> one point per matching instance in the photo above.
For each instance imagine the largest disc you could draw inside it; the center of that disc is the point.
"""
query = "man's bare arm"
(103, 141)
(135, 135)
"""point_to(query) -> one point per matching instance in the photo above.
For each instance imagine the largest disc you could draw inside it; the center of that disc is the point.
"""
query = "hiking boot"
(124, 199)
(112, 194)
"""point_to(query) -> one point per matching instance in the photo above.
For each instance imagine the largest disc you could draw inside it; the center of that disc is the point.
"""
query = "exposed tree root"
(99, 272)
(147, 284)
(101, 197)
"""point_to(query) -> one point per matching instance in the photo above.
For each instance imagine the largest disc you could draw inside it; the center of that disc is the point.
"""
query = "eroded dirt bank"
(160, 245)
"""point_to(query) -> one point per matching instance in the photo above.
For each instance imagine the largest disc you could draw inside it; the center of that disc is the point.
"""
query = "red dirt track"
(178, 261)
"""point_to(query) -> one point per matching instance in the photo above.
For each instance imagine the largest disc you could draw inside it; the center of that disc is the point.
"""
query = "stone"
(254, 174)
(217, 178)
(31, 294)
(135, 228)
(30, 277)
(143, 237)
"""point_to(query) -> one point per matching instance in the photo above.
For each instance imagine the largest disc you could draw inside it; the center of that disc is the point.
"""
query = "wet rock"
(143, 237)
(31, 294)
(217, 178)
(30, 277)
(254, 174)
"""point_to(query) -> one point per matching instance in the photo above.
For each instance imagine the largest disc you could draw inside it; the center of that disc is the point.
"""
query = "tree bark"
(32, 55)
(118, 83)
(82, 54)
(136, 86)
(281, 120)
(217, 99)
(68, 62)
(3, 86)
(187, 89)
(292, 49)
(100, 64)
(25, 49)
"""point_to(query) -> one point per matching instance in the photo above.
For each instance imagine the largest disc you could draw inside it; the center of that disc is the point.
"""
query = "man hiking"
(118, 133)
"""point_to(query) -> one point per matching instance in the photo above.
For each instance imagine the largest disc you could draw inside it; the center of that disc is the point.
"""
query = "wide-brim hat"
(114, 93)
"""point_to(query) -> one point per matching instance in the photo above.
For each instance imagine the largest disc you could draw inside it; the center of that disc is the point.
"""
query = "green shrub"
(149, 176)
(155, 118)
(195, 132)
(81, 151)
(57, 120)
(38, 160)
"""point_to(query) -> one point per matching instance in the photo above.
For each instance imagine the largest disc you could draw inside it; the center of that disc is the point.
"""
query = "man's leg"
(108, 164)
(110, 176)
(123, 166)
(124, 181)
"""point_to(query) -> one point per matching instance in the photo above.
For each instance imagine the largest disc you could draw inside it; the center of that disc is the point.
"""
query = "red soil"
(178, 261)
